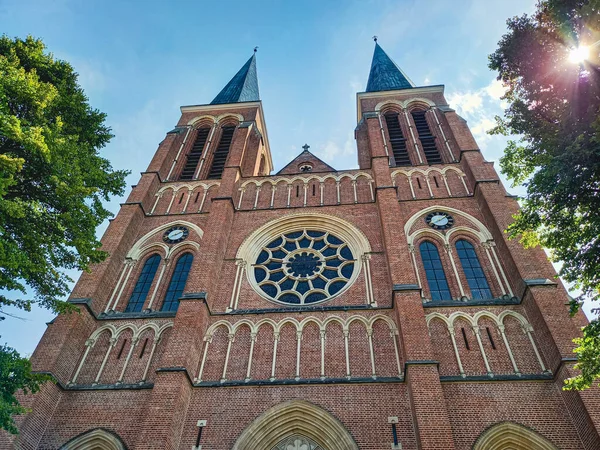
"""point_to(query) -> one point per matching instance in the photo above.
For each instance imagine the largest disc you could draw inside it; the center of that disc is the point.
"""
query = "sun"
(579, 54)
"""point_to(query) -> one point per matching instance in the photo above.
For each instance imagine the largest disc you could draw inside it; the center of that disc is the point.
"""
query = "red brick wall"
(433, 412)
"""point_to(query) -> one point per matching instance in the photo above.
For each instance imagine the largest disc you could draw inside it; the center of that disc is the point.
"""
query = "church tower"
(314, 309)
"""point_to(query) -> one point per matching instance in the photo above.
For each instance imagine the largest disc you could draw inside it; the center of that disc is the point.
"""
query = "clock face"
(175, 234)
(439, 220)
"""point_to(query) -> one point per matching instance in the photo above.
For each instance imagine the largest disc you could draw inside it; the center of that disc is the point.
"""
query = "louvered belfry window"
(427, 139)
(194, 155)
(221, 153)
(397, 140)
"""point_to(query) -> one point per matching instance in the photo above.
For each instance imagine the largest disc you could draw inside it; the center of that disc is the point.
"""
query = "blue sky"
(139, 61)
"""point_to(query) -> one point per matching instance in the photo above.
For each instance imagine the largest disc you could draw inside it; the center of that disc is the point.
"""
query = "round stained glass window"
(304, 267)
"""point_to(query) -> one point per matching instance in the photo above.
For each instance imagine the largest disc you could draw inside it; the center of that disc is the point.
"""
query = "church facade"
(314, 309)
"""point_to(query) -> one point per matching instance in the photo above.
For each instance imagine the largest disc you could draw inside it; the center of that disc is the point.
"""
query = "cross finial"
(255, 49)
(306, 147)
(375, 38)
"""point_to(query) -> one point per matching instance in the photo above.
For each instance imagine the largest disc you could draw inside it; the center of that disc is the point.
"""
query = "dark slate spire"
(385, 75)
(243, 87)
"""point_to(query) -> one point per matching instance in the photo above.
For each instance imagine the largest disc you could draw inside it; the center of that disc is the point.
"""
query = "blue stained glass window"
(436, 278)
(140, 291)
(314, 297)
(347, 270)
(276, 243)
(177, 284)
(319, 283)
(295, 265)
(333, 240)
(318, 245)
(346, 253)
(336, 286)
(260, 274)
(480, 289)
(304, 243)
(264, 256)
(269, 289)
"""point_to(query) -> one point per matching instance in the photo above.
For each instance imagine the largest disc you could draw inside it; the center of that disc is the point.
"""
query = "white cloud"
(332, 150)
(481, 128)
(356, 86)
(467, 102)
(91, 78)
(479, 107)
(495, 89)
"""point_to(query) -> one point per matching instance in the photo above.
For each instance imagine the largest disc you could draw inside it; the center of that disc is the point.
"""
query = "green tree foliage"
(53, 183)
(52, 179)
(15, 374)
(554, 106)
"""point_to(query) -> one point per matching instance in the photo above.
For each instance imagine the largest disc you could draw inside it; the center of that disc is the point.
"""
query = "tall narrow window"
(436, 278)
(140, 291)
(478, 284)
(427, 139)
(177, 284)
(397, 140)
(221, 153)
(193, 157)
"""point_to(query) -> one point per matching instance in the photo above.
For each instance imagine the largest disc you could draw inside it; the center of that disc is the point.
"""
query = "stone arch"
(223, 119)
(145, 241)
(418, 103)
(198, 119)
(295, 417)
(513, 436)
(480, 230)
(389, 105)
(98, 439)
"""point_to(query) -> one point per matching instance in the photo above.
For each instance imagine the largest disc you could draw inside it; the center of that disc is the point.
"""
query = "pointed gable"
(304, 159)
(243, 87)
(385, 75)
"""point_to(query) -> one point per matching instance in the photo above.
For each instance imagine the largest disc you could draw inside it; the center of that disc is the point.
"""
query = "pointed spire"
(243, 87)
(385, 75)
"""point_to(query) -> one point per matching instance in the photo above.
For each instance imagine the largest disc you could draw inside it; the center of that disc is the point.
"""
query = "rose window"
(304, 267)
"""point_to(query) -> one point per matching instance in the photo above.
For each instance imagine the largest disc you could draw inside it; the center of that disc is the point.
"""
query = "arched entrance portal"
(295, 425)
(297, 442)
(97, 439)
(512, 436)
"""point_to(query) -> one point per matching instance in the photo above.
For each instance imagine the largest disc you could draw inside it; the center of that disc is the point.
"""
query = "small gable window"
(473, 271)
(306, 167)
(436, 278)
(142, 287)
(177, 284)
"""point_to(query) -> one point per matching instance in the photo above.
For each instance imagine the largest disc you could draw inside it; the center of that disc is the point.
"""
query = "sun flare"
(579, 54)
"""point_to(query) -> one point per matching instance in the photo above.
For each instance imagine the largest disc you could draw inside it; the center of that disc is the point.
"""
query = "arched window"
(480, 289)
(436, 278)
(140, 291)
(177, 284)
